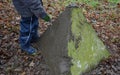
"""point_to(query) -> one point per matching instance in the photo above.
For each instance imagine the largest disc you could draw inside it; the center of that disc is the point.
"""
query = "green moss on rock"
(86, 49)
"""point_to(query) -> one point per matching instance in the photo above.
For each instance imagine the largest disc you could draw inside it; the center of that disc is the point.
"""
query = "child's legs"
(25, 32)
(35, 25)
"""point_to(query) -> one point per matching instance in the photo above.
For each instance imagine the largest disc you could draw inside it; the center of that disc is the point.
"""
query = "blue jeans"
(28, 31)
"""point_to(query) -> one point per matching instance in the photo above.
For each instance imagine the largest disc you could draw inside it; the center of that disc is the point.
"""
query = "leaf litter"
(105, 19)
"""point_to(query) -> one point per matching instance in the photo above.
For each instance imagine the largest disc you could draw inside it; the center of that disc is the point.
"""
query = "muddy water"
(71, 40)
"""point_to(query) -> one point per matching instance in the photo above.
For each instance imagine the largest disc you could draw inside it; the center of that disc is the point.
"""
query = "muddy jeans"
(28, 31)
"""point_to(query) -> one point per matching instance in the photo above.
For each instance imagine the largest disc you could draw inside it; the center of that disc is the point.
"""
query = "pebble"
(18, 70)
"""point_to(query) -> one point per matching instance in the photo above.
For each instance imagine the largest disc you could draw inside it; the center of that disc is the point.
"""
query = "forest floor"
(105, 19)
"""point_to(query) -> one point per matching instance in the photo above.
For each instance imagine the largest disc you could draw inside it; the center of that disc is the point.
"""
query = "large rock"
(71, 45)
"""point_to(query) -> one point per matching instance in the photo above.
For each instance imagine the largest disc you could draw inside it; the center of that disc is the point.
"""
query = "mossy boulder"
(71, 45)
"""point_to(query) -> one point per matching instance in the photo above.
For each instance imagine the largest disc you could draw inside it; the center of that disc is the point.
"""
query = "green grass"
(114, 1)
(93, 3)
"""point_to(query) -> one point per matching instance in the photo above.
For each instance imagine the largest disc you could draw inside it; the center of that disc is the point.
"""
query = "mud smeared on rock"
(54, 43)
(64, 44)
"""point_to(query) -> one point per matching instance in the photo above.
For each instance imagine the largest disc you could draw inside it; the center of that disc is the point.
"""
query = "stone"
(71, 45)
